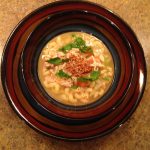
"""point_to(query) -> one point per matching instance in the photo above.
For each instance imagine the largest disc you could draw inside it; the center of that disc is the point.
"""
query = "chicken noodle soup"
(75, 68)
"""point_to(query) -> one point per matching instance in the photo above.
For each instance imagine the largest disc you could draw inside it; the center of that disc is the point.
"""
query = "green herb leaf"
(74, 45)
(106, 78)
(62, 74)
(79, 41)
(73, 35)
(83, 79)
(94, 75)
(74, 87)
(66, 48)
(89, 50)
(55, 61)
(83, 49)
(86, 49)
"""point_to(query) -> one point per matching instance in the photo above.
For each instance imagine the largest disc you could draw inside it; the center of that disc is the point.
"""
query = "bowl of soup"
(73, 72)
(75, 68)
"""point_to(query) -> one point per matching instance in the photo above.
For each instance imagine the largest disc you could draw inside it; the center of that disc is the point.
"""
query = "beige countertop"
(133, 135)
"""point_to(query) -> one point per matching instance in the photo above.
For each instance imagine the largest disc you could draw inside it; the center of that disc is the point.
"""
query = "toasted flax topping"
(78, 66)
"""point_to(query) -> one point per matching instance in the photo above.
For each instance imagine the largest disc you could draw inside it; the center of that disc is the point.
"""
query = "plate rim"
(3, 77)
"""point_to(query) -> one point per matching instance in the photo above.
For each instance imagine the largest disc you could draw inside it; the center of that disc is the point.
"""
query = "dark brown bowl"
(75, 21)
(31, 102)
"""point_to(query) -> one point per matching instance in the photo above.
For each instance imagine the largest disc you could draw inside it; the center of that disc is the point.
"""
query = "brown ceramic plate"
(36, 107)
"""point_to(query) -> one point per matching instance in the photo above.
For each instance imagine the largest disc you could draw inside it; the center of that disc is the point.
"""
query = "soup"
(75, 68)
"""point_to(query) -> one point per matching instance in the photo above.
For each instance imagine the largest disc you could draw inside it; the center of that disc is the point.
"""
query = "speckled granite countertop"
(133, 135)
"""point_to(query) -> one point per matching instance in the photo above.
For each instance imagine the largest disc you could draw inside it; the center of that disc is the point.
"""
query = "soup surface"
(75, 68)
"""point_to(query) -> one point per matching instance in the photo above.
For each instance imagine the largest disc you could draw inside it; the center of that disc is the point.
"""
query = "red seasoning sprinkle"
(78, 66)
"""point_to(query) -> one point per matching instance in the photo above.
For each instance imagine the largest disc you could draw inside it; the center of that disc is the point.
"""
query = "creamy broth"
(75, 68)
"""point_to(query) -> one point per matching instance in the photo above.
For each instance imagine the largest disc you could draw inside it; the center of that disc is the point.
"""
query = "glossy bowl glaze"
(31, 102)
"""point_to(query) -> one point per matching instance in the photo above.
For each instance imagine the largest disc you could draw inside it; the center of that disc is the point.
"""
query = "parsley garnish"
(74, 87)
(77, 43)
(62, 74)
(106, 78)
(57, 61)
(94, 75)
